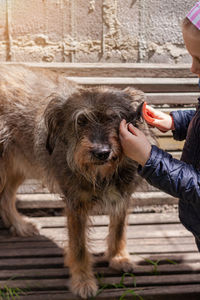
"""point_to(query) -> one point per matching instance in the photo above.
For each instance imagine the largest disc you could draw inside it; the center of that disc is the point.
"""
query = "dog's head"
(87, 125)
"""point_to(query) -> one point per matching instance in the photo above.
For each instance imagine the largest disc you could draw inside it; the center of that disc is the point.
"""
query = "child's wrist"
(146, 156)
(172, 126)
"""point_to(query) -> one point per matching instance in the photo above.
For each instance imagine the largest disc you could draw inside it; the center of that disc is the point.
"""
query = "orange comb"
(149, 117)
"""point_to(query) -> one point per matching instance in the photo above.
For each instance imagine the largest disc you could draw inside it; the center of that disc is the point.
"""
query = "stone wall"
(93, 30)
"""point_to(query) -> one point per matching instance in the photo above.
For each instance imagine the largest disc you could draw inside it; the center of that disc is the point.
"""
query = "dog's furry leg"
(12, 219)
(117, 254)
(78, 258)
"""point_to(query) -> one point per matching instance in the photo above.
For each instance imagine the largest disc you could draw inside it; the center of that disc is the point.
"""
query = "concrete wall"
(93, 30)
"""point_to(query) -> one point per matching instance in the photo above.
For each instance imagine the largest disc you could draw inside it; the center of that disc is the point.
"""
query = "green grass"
(10, 293)
(121, 284)
(155, 264)
(132, 292)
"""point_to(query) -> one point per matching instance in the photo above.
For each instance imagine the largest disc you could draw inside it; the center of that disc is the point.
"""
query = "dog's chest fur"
(107, 195)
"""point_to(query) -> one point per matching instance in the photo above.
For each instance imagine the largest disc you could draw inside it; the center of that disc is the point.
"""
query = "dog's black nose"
(102, 153)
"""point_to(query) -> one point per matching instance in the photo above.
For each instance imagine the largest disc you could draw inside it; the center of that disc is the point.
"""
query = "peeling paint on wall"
(37, 37)
(175, 53)
(91, 5)
(109, 8)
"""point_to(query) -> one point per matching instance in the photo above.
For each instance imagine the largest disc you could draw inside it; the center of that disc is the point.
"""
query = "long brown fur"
(66, 135)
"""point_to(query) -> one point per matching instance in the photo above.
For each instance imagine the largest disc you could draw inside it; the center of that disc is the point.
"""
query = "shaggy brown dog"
(54, 130)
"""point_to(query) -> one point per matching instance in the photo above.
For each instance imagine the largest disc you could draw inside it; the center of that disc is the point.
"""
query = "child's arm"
(182, 119)
(158, 167)
(172, 176)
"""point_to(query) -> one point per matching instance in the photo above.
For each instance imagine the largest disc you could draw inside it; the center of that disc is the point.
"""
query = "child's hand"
(158, 119)
(134, 143)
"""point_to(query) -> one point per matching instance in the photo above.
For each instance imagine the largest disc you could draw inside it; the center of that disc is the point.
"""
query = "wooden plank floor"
(167, 264)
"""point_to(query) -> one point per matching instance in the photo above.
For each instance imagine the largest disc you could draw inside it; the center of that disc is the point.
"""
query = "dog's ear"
(139, 111)
(54, 121)
(137, 96)
(137, 99)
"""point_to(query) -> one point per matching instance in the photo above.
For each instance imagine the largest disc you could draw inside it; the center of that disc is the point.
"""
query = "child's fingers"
(157, 122)
(154, 113)
(123, 128)
(123, 123)
(127, 129)
(159, 125)
(132, 129)
(151, 109)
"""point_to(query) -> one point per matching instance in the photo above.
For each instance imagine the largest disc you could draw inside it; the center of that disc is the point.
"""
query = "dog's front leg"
(117, 254)
(77, 257)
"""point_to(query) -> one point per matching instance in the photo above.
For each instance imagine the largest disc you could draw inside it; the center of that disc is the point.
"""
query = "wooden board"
(163, 252)
(116, 69)
(145, 84)
(145, 196)
(176, 99)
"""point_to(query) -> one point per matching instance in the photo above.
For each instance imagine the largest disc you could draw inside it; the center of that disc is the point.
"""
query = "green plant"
(156, 263)
(128, 274)
(121, 284)
(130, 291)
(10, 293)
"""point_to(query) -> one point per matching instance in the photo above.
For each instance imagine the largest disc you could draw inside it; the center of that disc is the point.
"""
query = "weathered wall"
(92, 30)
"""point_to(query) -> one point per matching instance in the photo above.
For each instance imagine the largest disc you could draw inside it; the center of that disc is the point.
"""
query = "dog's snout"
(101, 153)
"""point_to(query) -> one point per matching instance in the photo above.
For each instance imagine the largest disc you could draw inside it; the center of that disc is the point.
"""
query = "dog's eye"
(82, 121)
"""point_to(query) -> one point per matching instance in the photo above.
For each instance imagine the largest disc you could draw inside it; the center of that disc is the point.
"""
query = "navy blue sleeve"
(171, 175)
(182, 120)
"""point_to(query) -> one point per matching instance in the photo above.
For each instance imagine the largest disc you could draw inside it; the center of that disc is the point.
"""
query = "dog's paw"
(121, 263)
(24, 228)
(84, 287)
